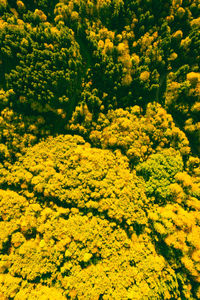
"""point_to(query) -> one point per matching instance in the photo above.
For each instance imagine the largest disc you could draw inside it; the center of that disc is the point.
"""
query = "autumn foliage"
(99, 149)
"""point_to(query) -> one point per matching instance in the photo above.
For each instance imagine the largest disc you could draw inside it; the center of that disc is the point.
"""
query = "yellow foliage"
(178, 35)
(86, 192)
(136, 134)
(3, 3)
(195, 22)
(108, 46)
(85, 244)
(74, 16)
(180, 230)
(193, 77)
(121, 48)
(135, 58)
(20, 5)
(185, 43)
(185, 179)
(144, 76)
(181, 12)
(87, 257)
(40, 292)
(126, 80)
(41, 15)
(100, 244)
(173, 56)
(177, 192)
(101, 44)
(176, 2)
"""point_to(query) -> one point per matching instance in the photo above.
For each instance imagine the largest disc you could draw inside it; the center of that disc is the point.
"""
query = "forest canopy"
(99, 149)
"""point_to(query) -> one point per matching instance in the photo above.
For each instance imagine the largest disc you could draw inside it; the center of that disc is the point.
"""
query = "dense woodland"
(99, 149)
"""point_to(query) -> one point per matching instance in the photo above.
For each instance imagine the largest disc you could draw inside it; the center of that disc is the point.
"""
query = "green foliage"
(159, 172)
(45, 77)
(18, 131)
